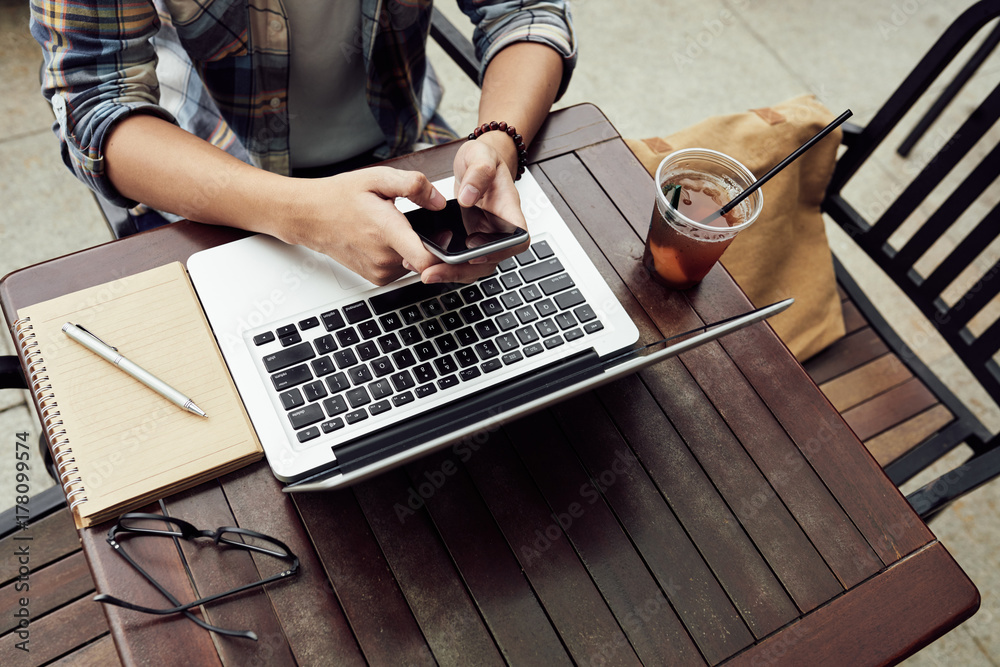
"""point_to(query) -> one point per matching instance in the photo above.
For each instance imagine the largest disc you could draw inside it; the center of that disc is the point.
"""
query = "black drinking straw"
(781, 165)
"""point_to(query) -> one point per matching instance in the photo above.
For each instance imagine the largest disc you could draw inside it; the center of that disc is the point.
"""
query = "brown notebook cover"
(117, 444)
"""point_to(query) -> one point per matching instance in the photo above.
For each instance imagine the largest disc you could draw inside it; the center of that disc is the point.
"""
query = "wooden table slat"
(682, 573)
(217, 569)
(560, 580)
(48, 588)
(375, 607)
(423, 568)
(601, 542)
(510, 608)
(878, 509)
(311, 617)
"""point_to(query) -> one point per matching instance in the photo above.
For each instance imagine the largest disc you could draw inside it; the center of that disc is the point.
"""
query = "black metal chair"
(976, 346)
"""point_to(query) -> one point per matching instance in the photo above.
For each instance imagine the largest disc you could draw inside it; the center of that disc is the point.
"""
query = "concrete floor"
(650, 79)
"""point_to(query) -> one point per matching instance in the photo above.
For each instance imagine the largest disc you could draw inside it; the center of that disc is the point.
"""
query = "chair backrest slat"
(947, 213)
(963, 255)
(937, 169)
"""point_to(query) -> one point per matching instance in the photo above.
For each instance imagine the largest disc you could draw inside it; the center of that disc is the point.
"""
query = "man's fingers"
(391, 183)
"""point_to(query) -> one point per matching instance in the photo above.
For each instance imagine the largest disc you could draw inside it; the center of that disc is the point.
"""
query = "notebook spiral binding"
(62, 453)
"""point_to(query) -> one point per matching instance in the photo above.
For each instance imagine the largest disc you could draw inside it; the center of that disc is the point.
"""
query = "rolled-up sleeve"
(502, 23)
(100, 66)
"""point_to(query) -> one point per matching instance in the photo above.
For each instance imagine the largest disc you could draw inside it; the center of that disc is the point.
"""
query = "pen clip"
(93, 335)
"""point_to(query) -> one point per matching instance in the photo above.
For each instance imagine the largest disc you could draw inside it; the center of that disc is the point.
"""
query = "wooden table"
(712, 509)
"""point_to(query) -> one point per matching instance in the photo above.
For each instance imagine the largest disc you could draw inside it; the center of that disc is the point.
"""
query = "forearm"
(157, 163)
(519, 87)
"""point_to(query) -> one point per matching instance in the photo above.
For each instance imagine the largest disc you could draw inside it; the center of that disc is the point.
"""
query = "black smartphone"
(457, 234)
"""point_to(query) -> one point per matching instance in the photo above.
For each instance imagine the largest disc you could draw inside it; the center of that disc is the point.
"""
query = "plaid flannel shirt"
(219, 69)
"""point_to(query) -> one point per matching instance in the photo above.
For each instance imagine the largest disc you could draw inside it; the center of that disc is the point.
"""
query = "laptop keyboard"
(353, 364)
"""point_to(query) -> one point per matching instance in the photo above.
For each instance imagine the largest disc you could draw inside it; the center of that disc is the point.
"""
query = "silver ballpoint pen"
(105, 351)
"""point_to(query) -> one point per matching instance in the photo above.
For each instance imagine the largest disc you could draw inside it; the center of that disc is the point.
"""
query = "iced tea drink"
(686, 237)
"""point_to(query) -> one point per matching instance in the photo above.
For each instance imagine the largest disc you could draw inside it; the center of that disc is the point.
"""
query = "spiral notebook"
(117, 444)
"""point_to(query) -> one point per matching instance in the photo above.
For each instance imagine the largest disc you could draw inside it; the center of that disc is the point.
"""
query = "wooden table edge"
(928, 580)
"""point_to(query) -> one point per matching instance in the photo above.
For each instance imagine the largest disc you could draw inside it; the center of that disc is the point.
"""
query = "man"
(286, 87)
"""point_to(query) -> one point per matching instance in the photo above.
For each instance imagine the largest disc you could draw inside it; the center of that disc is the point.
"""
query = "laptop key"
(286, 330)
(593, 327)
(303, 417)
(356, 416)
(431, 308)
(262, 338)
(507, 342)
(338, 382)
(314, 390)
(451, 300)
(547, 327)
(325, 344)
(466, 357)
(491, 287)
(403, 359)
(555, 284)
(334, 406)
(432, 328)
(425, 350)
(526, 314)
(359, 374)
(526, 257)
(424, 373)
(510, 280)
(471, 314)
(308, 434)
(425, 390)
(382, 366)
(333, 320)
(389, 343)
(565, 321)
(410, 336)
(348, 337)
(487, 329)
(585, 313)
(369, 329)
(345, 359)
(573, 334)
(448, 382)
(471, 294)
(511, 357)
(309, 323)
(288, 357)
(542, 269)
(367, 350)
(554, 341)
(526, 335)
(332, 425)
(290, 377)
(569, 299)
(530, 293)
(357, 312)
(546, 307)
(466, 336)
(508, 264)
(451, 321)
(390, 322)
(506, 322)
(379, 408)
(446, 343)
(445, 365)
(469, 373)
(487, 350)
(533, 349)
(291, 399)
(512, 300)
(491, 307)
(403, 399)
(491, 365)
(358, 397)
(411, 314)
(542, 249)
(402, 380)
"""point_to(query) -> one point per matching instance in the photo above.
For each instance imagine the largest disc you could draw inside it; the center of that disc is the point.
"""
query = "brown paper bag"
(785, 253)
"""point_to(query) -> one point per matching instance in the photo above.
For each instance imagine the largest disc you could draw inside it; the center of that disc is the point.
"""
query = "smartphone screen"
(457, 234)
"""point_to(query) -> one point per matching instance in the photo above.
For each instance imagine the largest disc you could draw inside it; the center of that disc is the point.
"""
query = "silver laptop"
(343, 379)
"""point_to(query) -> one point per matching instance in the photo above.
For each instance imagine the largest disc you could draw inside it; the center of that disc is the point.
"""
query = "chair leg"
(931, 498)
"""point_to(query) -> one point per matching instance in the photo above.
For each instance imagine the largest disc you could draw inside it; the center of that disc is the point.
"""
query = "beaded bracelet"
(522, 150)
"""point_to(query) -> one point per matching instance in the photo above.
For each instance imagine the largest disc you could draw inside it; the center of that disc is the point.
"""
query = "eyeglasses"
(137, 524)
